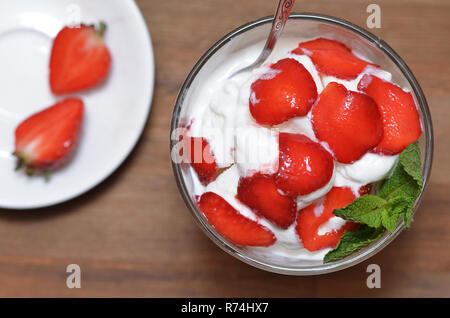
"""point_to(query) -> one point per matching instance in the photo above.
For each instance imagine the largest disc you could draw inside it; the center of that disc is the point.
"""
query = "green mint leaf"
(367, 209)
(402, 188)
(400, 184)
(406, 180)
(354, 241)
(408, 215)
(410, 160)
(376, 213)
(393, 212)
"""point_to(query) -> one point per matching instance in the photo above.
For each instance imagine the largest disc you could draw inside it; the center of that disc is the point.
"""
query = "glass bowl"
(303, 25)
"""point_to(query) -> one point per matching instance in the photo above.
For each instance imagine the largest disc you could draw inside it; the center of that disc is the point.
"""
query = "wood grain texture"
(133, 235)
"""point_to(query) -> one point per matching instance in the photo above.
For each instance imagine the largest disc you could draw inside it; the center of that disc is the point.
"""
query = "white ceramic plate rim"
(113, 166)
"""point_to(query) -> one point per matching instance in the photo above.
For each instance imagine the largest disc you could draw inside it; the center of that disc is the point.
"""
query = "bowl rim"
(349, 260)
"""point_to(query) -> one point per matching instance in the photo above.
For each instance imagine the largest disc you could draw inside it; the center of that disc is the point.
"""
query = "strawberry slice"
(45, 140)
(401, 123)
(333, 58)
(304, 165)
(197, 152)
(312, 217)
(260, 193)
(287, 90)
(321, 44)
(231, 224)
(79, 59)
(348, 121)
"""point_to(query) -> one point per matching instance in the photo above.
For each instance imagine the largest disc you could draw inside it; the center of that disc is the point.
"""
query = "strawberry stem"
(19, 164)
(30, 171)
(101, 29)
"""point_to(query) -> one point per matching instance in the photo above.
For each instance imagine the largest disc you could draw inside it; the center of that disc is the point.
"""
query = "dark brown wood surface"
(133, 235)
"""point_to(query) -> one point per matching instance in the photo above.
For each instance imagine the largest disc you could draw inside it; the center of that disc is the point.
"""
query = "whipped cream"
(219, 112)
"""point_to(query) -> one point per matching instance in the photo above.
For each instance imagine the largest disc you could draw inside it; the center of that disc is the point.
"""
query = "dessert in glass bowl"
(311, 162)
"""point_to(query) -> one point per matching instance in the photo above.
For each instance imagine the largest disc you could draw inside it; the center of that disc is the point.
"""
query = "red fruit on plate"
(45, 140)
(231, 224)
(79, 59)
(304, 165)
(197, 152)
(349, 122)
(332, 58)
(401, 123)
(260, 193)
(284, 92)
(312, 217)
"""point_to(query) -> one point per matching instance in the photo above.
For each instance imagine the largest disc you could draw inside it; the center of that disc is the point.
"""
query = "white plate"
(115, 111)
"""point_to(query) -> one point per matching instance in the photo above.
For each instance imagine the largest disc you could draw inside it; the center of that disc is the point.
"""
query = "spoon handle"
(283, 9)
(279, 20)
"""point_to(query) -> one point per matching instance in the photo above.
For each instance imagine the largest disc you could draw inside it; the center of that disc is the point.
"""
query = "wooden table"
(133, 235)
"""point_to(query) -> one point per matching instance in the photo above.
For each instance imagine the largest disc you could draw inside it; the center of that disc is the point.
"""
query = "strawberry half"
(231, 224)
(349, 122)
(321, 44)
(197, 152)
(333, 58)
(260, 193)
(287, 90)
(79, 59)
(401, 123)
(312, 217)
(45, 140)
(304, 165)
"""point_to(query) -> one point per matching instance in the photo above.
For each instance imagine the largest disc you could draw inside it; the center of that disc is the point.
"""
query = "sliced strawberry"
(46, 139)
(231, 224)
(401, 123)
(286, 91)
(332, 58)
(312, 217)
(349, 122)
(197, 152)
(321, 44)
(304, 165)
(79, 59)
(260, 193)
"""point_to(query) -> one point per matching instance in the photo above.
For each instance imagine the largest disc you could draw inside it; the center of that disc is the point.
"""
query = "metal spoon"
(281, 15)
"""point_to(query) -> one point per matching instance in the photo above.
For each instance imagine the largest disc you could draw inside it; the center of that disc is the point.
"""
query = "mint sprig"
(351, 242)
(378, 213)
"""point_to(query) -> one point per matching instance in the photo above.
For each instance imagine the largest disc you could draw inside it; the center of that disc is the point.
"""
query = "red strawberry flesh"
(312, 217)
(333, 58)
(401, 122)
(231, 224)
(260, 193)
(46, 139)
(304, 165)
(286, 91)
(349, 122)
(79, 59)
(197, 152)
